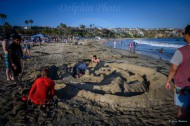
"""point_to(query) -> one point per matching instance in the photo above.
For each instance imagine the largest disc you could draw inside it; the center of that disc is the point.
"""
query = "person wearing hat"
(180, 71)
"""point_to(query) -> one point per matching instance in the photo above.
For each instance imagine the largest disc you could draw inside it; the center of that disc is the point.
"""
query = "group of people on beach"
(132, 48)
(42, 91)
(180, 71)
(132, 45)
(43, 87)
(80, 68)
(13, 55)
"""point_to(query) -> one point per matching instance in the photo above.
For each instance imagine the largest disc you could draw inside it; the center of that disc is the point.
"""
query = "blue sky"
(102, 13)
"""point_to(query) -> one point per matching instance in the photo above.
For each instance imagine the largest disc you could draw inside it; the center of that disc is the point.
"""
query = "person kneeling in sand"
(95, 59)
(79, 69)
(42, 91)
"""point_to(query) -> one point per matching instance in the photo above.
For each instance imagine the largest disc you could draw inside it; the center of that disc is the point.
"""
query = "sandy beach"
(123, 89)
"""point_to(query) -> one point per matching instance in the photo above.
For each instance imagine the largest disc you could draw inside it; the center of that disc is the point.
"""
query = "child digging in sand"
(42, 91)
(79, 69)
(95, 59)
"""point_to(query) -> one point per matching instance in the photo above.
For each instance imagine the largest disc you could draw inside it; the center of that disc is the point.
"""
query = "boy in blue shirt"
(80, 68)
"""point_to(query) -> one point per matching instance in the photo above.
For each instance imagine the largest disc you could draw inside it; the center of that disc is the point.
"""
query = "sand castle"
(124, 88)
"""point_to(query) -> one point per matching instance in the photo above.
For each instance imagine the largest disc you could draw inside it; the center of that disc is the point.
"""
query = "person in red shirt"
(42, 90)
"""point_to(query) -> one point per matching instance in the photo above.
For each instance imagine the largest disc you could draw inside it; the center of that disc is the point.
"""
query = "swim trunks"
(182, 96)
(6, 58)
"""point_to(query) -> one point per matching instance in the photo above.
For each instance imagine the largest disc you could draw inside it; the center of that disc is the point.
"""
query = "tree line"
(61, 31)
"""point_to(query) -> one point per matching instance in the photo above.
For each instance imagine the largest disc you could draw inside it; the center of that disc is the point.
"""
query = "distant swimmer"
(114, 44)
(161, 53)
(134, 46)
(121, 43)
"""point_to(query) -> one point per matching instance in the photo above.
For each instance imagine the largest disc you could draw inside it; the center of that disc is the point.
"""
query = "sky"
(101, 13)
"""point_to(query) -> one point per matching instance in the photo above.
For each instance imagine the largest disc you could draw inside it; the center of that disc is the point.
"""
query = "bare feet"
(12, 78)
(19, 86)
(76, 76)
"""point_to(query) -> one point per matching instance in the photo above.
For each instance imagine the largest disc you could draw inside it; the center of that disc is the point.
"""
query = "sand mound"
(111, 82)
(114, 84)
(124, 89)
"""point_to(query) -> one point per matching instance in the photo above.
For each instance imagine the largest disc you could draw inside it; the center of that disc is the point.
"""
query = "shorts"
(6, 58)
(182, 96)
(28, 47)
(18, 70)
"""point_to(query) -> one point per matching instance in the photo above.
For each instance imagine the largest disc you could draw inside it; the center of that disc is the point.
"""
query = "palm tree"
(63, 25)
(7, 25)
(3, 17)
(26, 22)
(31, 22)
(82, 26)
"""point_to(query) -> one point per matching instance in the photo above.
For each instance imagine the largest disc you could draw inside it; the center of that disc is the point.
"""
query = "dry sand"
(124, 89)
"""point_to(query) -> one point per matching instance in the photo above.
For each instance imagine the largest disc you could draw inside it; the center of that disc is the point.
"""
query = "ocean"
(151, 47)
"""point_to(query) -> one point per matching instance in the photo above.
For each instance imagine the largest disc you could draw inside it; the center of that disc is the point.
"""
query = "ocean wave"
(158, 44)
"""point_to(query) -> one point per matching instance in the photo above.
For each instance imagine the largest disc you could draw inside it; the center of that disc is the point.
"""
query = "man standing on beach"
(180, 70)
(15, 56)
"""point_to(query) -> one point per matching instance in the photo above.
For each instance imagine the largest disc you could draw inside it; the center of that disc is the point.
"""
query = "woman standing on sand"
(130, 46)
(5, 44)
